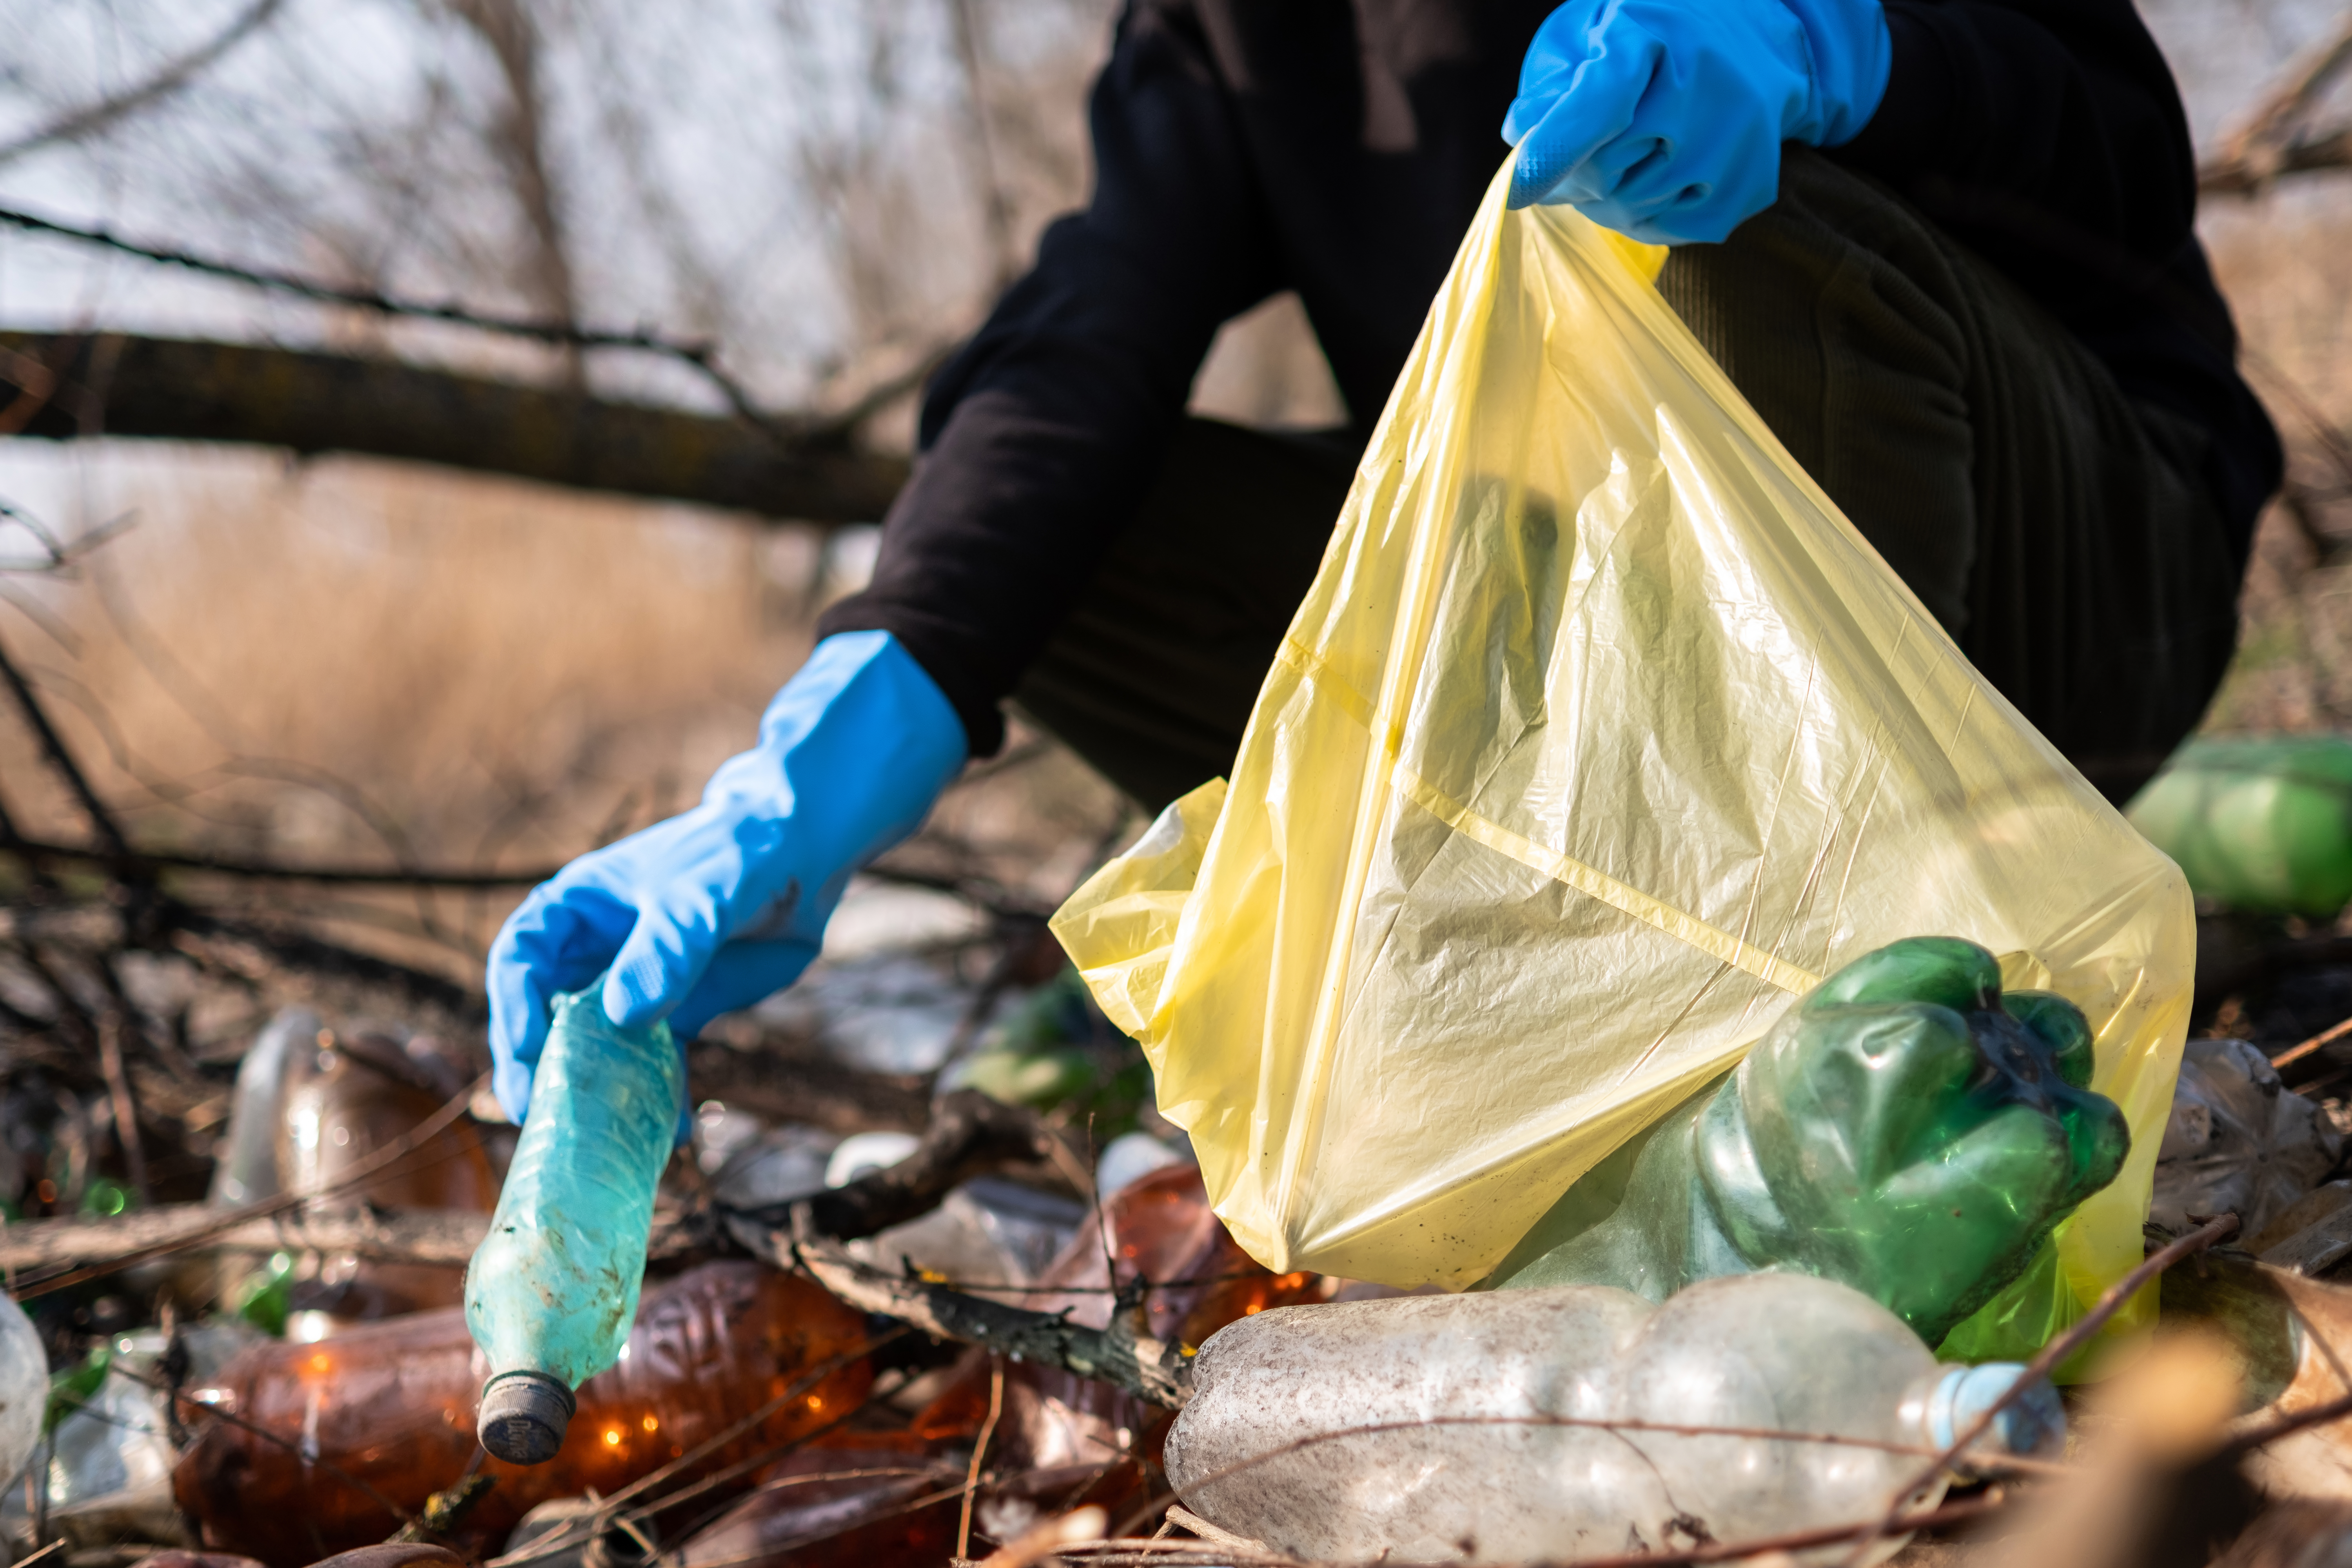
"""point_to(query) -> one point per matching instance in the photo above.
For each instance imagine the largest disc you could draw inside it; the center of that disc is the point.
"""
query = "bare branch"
(2270, 142)
(53, 745)
(92, 118)
(313, 402)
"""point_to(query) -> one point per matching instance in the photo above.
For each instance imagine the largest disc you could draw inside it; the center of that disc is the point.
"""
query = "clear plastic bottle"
(386, 1411)
(553, 1288)
(350, 1100)
(1461, 1462)
(24, 1387)
(248, 1168)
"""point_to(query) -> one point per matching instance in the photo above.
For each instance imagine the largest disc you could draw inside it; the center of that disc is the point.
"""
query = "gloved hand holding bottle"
(1664, 119)
(719, 906)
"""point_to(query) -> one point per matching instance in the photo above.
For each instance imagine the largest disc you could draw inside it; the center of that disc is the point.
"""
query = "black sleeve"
(2063, 107)
(1040, 438)
(2048, 136)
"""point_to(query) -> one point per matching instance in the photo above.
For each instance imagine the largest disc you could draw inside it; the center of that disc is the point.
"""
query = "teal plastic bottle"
(552, 1289)
(2261, 824)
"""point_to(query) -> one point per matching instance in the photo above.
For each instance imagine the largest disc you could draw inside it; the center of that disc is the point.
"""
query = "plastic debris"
(342, 1103)
(863, 1151)
(2261, 824)
(887, 1012)
(986, 1232)
(248, 1168)
(1132, 1156)
(106, 1467)
(24, 1388)
(1492, 1415)
(1906, 1131)
(392, 1404)
(839, 1507)
(2237, 1141)
(552, 1289)
(783, 1163)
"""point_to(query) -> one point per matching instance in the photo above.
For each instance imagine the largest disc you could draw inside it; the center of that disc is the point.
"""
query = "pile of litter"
(1011, 1325)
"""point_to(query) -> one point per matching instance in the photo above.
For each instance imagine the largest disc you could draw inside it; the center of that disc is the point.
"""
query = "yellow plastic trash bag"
(1600, 738)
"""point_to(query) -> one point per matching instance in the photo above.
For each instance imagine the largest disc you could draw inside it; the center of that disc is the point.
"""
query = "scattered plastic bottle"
(1057, 1423)
(1433, 1428)
(24, 1387)
(2261, 824)
(1929, 1191)
(246, 1170)
(838, 1508)
(107, 1467)
(347, 1100)
(553, 1288)
(391, 1405)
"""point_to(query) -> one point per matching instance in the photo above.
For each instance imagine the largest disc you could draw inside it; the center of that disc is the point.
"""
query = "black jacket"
(1341, 147)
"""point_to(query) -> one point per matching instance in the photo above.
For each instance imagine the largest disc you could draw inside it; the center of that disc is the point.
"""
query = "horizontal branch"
(172, 389)
(1122, 1354)
(379, 1236)
(140, 864)
(2246, 176)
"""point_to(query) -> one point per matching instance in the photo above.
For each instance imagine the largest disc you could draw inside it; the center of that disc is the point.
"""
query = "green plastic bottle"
(2261, 824)
(552, 1289)
(1905, 1129)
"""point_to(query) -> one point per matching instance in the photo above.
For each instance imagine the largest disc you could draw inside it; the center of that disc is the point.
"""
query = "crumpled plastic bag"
(2237, 1142)
(1599, 739)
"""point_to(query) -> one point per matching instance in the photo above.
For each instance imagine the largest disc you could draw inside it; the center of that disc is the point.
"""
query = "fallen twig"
(229, 1219)
(1122, 1355)
(2324, 1038)
(2055, 1352)
(444, 1236)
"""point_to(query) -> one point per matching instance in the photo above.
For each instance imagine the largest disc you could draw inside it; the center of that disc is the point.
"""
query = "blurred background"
(339, 661)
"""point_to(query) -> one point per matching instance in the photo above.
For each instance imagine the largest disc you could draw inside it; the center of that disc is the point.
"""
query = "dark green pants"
(2060, 529)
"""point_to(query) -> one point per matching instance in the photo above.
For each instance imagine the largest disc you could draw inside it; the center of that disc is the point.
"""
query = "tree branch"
(91, 118)
(311, 403)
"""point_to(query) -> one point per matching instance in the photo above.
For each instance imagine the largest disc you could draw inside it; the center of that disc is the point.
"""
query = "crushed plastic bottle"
(553, 1288)
(985, 1231)
(390, 1407)
(2237, 1141)
(248, 1168)
(2261, 824)
(1905, 1129)
(347, 1100)
(1064, 1440)
(24, 1387)
(1437, 1427)
(107, 1470)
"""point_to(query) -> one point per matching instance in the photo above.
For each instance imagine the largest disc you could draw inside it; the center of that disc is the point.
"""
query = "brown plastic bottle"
(839, 1508)
(389, 1406)
(1063, 1439)
(356, 1095)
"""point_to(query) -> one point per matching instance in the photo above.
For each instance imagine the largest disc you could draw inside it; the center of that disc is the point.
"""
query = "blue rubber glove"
(713, 909)
(1664, 119)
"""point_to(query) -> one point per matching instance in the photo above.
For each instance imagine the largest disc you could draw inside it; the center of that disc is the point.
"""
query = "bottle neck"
(1943, 1406)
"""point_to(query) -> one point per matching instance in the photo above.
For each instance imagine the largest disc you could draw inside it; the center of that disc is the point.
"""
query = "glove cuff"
(1853, 55)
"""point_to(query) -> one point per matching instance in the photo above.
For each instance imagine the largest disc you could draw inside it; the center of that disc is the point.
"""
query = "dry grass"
(345, 660)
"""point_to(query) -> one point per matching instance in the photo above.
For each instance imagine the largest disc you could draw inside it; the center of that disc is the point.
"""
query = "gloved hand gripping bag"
(1601, 738)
